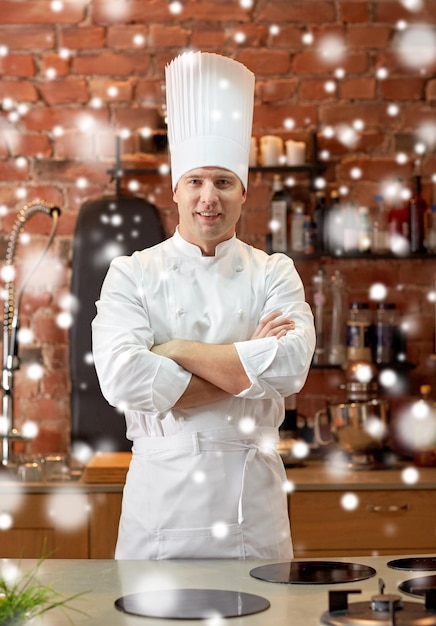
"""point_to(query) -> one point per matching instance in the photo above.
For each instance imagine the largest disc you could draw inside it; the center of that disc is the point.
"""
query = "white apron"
(211, 494)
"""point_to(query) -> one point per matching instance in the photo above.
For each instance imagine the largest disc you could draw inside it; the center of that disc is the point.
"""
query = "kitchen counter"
(381, 514)
(107, 580)
(321, 475)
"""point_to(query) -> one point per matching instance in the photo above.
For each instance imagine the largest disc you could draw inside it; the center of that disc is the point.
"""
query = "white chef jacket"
(172, 291)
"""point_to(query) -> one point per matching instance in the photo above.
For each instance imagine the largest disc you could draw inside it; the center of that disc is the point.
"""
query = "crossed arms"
(216, 368)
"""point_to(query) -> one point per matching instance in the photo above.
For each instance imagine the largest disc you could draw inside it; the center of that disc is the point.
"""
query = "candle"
(295, 152)
(271, 149)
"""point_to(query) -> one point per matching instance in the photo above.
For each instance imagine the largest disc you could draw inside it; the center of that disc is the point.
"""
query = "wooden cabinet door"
(382, 522)
(51, 525)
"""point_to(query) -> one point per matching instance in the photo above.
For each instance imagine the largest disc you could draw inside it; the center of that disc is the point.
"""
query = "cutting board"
(107, 467)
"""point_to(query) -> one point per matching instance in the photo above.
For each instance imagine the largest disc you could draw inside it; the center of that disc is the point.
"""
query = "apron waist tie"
(220, 439)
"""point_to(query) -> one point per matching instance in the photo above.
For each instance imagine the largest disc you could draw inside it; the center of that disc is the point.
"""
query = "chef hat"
(210, 113)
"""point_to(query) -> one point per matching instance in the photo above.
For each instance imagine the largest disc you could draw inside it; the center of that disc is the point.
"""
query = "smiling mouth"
(208, 214)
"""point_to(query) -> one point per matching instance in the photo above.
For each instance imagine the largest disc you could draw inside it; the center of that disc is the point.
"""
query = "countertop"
(107, 580)
(309, 476)
(325, 476)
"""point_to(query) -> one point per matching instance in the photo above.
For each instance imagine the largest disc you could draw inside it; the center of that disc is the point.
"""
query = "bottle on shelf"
(319, 217)
(385, 332)
(280, 207)
(423, 435)
(431, 231)
(297, 227)
(359, 331)
(337, 350)
(380, 235)
(364, 242)
(398, 225)
(309, 235)
(320, 307)
(417, 211)
(334, 226)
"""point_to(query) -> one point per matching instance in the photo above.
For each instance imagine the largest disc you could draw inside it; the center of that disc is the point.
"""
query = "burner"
(414, 564)
(418, 586)
(191, 604)
(382, 610)
(312, 572)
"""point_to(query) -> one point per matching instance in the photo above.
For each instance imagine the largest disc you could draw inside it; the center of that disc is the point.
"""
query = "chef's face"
(209, 200)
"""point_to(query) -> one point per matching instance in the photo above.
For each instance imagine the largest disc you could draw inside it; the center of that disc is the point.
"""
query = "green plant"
(26, 598)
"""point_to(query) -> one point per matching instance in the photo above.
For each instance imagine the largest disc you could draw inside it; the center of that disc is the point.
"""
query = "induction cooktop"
(313, 572)
(191, 603)
(414, 563)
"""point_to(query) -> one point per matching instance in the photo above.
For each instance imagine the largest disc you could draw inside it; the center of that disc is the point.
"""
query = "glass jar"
(359, 332)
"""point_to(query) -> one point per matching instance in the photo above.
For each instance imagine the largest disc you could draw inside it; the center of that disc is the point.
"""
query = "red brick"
(354, 11)
(404, 88)
(70, 171)
(111, 64)
(395, 65)
(50, 193)
(164, 36)
(212, 11)
(430, 93)
(4, 152)
(288, 37)
(206, 36)
(254, 35)
(276, 90)
(100, 88)
(9, 171)
(414, 114)
(52, 61)
(308, 12)
(130, 11)
(72, 146)
(68, 91)
(81, 37)
(369, 36)
(17, 65)
(46, 118)
(391, 11)
(373, 114)
(28, 37)
(18, 91)
(274, 117)
(375, 168)
(310, 62)
(357, 88)
(265, 62)
(150, 91)
(138, 117)
(314, 89)
(40, 12)
(30, 144)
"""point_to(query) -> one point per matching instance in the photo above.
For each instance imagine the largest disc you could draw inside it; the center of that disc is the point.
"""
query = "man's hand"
(273, 325)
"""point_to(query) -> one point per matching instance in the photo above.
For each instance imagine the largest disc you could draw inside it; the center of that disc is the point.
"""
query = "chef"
(199, 339)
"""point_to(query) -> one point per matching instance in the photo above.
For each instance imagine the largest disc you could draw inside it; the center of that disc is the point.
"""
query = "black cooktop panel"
(313, 572)
(414, 563)
(191, 603)
(416, 586)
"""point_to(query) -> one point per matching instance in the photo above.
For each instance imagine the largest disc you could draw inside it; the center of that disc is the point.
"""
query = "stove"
(312, 572)
(414, 564)
(418, 587)
(382, 610)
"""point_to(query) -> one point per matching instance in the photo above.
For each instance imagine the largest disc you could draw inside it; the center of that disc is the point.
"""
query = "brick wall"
(76, 73)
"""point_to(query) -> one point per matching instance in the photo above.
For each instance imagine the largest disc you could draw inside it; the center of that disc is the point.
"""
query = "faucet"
(11, 323)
